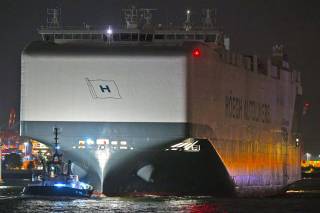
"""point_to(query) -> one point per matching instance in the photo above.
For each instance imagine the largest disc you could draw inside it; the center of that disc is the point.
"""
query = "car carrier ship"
(161, 109)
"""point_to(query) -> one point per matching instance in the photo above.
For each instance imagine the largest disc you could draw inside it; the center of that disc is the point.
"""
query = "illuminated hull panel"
(151, 97)
(137, 135)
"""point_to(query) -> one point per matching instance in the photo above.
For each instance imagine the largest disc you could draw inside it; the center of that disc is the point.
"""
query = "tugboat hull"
(53, 191)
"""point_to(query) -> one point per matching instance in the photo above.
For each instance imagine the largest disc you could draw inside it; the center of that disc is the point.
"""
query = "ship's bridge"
(137, 30)
(128, 36)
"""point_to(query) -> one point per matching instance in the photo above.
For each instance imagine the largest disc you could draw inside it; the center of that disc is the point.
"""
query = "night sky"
(253, 25)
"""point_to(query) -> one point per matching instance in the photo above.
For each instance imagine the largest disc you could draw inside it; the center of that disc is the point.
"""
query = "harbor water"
(11, 201)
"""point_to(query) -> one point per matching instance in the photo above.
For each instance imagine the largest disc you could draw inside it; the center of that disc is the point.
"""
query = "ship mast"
(57, 158)
(208, 21)
(187, 24)
(131, 17)
(53, 17)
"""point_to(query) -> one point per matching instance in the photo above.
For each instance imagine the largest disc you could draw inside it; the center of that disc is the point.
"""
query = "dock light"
(188, 11)
(26, 144)
(196, 52)
(90, 141)
(308, 155)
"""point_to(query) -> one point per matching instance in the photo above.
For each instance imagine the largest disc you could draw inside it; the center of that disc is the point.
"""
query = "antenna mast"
(187, 24)
(131, 17)
(146, 14)
(208, 22)
(56, 143)
(53, 17)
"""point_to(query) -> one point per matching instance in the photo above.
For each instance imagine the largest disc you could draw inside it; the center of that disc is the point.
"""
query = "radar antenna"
(146, 14)
(187, 23)
(53, 17)
(131, 17)
(208, 21)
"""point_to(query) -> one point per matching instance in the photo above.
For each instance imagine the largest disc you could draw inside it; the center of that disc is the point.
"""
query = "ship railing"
(123, 29)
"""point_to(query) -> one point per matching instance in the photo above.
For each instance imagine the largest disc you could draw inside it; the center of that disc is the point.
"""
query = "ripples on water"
(10, 203)
(160, 204)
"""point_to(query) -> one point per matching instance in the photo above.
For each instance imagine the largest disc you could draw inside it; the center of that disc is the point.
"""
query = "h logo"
(106, 87)
(103, 88)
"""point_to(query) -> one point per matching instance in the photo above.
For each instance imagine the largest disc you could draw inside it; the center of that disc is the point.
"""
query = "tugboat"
(56, 180)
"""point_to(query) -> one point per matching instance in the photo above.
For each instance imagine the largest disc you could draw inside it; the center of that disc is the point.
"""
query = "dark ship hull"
(173, 173)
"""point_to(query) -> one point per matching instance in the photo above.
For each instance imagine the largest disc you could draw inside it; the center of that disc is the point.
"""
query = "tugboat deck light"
(60, 185)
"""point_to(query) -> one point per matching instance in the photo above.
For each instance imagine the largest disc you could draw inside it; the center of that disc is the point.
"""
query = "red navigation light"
(306, 107)
(306, 104)
(196, 52)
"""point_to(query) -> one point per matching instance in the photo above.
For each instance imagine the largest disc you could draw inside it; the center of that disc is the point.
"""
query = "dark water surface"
(161, 204)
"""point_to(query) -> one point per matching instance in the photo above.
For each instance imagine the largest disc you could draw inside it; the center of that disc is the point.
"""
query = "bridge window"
(48, 37)
(86, 36)
(76, 36)
(146, 37)
(189, 36)
(199, 37)
(125, 36)
(58, 36)
(134, 36)
(159, 36)
(170, 37)
(67, 36)
(179, 36)
(210, 38)
(116, 37)
(142, 37)
(96, 36)
(149, 37)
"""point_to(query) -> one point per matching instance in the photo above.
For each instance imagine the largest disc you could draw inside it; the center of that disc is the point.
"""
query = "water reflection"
(160, 204)
(206, 208)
